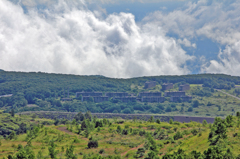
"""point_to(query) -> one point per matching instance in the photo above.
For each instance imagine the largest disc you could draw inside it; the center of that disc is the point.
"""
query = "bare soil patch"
(135, 148)
(64, 129)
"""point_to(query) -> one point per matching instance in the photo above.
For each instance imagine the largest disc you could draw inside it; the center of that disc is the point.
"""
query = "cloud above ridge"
(215, 20)
(68, 38)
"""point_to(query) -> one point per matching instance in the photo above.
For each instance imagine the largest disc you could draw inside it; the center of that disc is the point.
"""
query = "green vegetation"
(42, 91)
(89, 137)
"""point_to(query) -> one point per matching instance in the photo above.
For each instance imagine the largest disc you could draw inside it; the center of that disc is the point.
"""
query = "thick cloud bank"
(216, 20)
(67, 39)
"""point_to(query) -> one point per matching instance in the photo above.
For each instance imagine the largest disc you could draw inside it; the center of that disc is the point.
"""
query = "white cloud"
(229, 61)
(67, 38)
(186, 43)
(216, 20)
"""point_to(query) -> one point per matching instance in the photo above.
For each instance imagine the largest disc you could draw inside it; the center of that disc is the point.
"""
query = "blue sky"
(120, 38)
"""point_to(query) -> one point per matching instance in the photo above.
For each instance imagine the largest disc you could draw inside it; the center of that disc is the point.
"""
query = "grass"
(120, 144)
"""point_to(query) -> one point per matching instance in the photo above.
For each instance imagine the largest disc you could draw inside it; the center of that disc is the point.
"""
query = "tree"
(218, 131)
(152, 155)
(12, 135)
(12, 112)
(1, 103)
(69, 153)
(213, 152)
(158, 121)
(88, 115)
(229, 120)
(127, 111)
(195, 103)
(177, 136)
(52, 151)
(119, 129)
(190, 109)
(204, 123)
(168, 109)
(93, 144)
(140, 152)
(79, 117)
(151, 120)
(238, 114)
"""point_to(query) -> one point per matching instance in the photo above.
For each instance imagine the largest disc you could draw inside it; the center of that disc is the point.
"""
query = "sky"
(120, 38)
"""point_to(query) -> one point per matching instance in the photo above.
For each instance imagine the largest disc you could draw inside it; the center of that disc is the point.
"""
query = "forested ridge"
(43, 91)
(48, 84)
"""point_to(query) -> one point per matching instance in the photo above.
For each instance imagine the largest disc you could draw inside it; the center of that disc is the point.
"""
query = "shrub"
(190, 109)
(209, 104)
(238, 114)
(195, 103)
(194, 131)
(119, 129)
(124, 131)
(168, 109)
(127, 111)
(101, 151)
(142, 132)
(93, 144)
(177, 136)
(204, 123)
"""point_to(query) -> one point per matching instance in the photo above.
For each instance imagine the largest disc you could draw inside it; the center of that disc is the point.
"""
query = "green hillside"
(89, 137)
(42, 91)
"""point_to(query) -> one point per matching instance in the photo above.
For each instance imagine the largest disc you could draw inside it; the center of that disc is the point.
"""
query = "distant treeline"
(43, 88)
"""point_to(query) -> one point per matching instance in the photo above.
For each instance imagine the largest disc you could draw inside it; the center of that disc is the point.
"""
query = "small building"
(153, 99)
(150, 84)
(126, 99)
(181, 99)
(116, 94)
(96, 99)
(184, 87)
(167, 86)
(101, 99)
(175, 94)
(93, 94)
(150, 94)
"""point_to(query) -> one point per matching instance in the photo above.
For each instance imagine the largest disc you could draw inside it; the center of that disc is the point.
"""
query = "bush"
(168, 109)
(190, 109)
(142, 132)
(127, 111)
(101, 151)
(209, 104)
(195, 103)
(119, 129)
(194, 132)
(124, 131)
(93, 144)
(238, 114)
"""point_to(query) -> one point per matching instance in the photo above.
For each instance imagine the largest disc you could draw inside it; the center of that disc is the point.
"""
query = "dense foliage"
(42, 91)
(89, 137)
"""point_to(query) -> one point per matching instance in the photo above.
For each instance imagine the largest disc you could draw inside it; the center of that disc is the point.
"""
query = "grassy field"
(194, 137)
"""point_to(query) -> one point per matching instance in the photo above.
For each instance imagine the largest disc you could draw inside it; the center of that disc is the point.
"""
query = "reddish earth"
(64, 129)
(135, 148)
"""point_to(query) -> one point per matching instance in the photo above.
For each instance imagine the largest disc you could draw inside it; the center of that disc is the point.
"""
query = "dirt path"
(228, 94)
(64, 129)
(135, 148)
